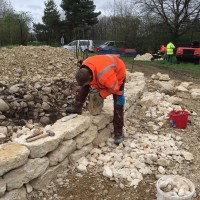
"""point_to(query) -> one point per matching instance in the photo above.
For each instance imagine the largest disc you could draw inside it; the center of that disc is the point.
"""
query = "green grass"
(189, 67)
(10, 46)
(184, 66)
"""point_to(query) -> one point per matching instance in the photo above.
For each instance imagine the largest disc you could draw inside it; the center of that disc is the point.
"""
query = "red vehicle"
(190, 53)
(115, 47)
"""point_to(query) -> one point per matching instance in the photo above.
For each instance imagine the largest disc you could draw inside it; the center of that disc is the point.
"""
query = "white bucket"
(164, 196)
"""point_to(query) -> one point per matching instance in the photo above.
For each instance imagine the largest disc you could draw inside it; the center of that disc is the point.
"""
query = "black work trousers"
(118, 118)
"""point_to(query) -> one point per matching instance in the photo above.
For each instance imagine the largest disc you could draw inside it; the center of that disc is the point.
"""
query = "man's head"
(83, 76)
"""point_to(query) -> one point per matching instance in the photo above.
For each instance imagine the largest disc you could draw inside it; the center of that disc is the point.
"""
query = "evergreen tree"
(80, 14)
(51, 23)
(14, 26)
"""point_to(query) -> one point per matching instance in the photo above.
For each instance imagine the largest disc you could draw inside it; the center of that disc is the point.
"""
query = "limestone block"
(181, 88)
(2, 187)
(12, 155)
(133, 91)
(128, 113)
(102, 136)
(110, 127)
(51, 173)
(195, 93)
(187, 155)
(101, 121)
(32, 169)
(3, 105)
(72, 127)
(186, 84)
(3, 130)
(175, 100)
(164, 77)
(80, 153)
(163, 162)
(108, 106)
(148, 101)
(95, 103)
(59, 154)
(17, 194)
(167, 87)
(195, 96)
(41, 147)
(87, 137)
(134, 76)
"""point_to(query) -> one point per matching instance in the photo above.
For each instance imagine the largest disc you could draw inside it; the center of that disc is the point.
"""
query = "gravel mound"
(31, 64)
(36, 86)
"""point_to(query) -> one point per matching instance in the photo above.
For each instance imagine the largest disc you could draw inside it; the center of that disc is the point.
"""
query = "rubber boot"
(118, 120)
(118, 123)
(118, 139)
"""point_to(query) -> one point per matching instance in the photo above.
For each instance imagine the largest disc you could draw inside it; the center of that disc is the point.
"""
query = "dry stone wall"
(26, 165)
(36, 85)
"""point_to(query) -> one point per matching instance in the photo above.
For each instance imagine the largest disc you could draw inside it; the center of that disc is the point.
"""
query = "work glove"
(74, 110)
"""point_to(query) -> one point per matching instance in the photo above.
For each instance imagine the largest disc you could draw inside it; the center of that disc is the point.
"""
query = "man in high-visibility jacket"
(163, 51)
(107, 74)
(170, 51)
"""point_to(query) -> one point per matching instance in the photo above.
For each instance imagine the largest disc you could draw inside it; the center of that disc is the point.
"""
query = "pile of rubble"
(148, 147)
(151, 146)
(36, 84)
(146, 56)
(30, 65)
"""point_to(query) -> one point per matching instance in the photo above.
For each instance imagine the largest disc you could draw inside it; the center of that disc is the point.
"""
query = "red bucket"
(178, 118)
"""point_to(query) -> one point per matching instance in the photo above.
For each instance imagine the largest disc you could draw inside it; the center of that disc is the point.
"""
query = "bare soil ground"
(94, 186)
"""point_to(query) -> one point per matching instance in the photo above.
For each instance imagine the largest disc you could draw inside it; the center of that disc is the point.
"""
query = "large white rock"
(12, 155)
(17, 194)
(64, 150)
(3, 105)
(31, 170)
(107, 172)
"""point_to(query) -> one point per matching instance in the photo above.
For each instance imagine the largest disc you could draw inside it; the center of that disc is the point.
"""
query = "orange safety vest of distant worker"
(108, 72)
(163, 49)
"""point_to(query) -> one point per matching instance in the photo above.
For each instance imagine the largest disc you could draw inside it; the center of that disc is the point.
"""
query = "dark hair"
(83, 76)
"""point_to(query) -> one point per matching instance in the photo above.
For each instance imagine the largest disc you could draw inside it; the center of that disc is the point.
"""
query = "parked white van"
(84, 45)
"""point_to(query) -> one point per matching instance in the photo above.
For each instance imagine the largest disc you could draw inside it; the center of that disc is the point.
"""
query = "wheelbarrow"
(156, 56)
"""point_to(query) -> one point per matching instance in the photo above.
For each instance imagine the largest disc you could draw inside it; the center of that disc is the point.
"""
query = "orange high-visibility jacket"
(109, 73)
(163, 49)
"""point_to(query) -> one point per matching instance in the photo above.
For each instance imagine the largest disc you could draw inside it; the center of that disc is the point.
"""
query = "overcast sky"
(36, 7)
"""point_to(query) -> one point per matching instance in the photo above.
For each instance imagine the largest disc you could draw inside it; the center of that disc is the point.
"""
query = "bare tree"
(178, 15)
(6, 14)
(24, 20)
(122, 24)
(2, 8)
(14, 27)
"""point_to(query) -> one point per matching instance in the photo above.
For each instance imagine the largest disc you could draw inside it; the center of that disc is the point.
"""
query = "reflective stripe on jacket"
(170, 48)
(109, 73)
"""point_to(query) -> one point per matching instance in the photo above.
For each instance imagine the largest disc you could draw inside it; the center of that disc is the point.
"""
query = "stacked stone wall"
(25, 165)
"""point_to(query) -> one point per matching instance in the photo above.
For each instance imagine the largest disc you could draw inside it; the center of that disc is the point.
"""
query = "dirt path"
(148, 70)
(94, 186)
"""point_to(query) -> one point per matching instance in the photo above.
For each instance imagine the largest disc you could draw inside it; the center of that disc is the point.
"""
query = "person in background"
(107, 74)
(170, 51)
(163, 51)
